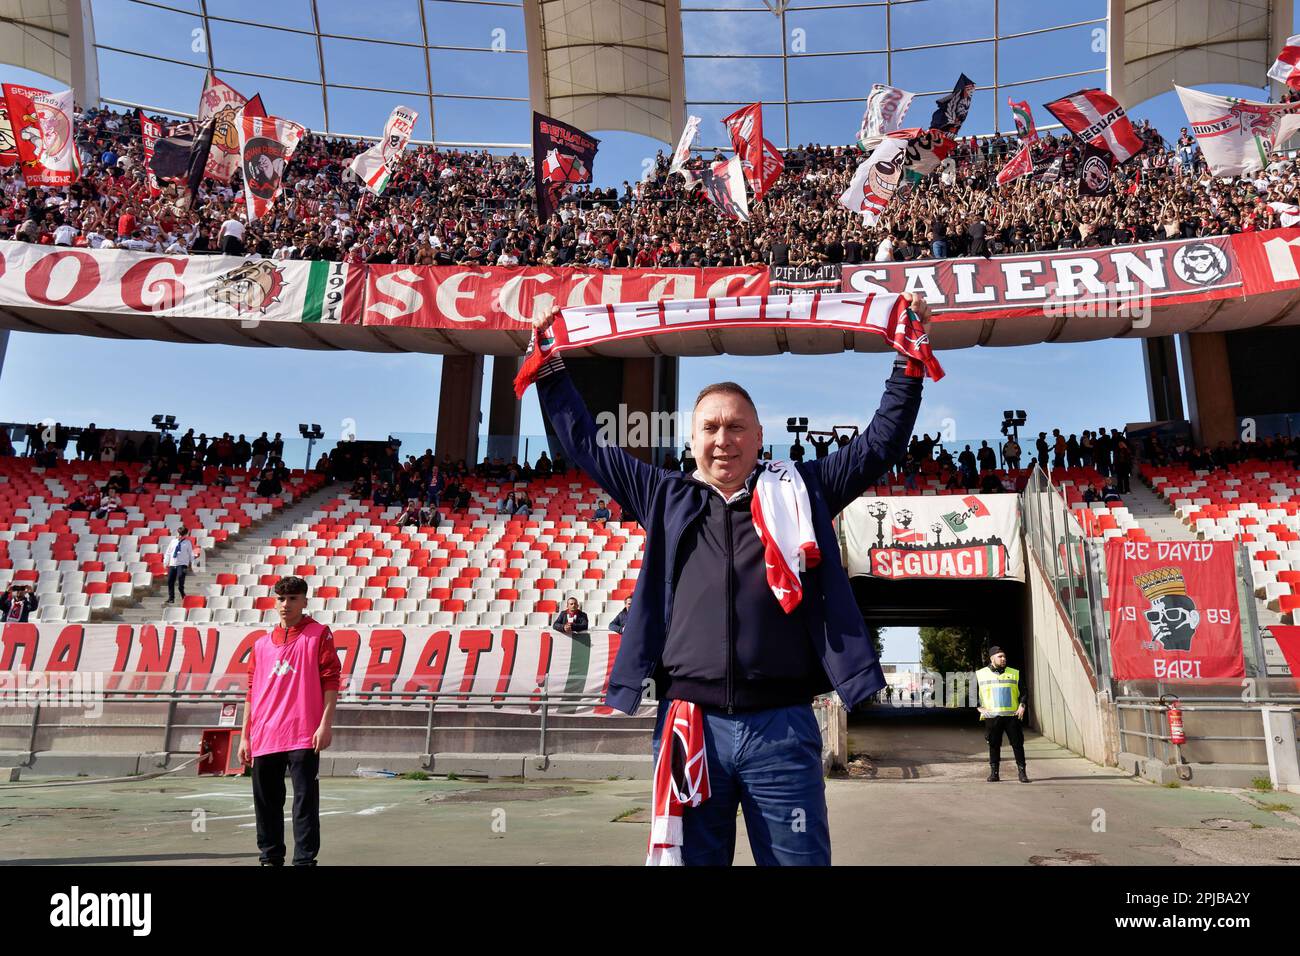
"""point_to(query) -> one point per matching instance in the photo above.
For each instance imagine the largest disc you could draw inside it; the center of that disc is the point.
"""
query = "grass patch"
(1257, 826)
(452, 776)
(1262, 784)
(627, 813)
(1275, 807)
(413, 775)
(1172, 785)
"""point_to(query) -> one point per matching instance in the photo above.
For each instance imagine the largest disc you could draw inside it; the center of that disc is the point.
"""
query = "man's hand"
(321, 739)
(916, 302)
(1020, 712)
(245, 752)
(544, 321)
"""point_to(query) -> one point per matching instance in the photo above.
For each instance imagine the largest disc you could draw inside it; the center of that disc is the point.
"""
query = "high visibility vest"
(999, 693)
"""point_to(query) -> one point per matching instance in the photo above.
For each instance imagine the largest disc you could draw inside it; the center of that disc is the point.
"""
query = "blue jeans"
(939, 248)
(769, 763)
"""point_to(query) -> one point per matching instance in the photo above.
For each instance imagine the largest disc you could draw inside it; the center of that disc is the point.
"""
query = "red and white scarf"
(681, 780)
(884, 313)
(783, 520)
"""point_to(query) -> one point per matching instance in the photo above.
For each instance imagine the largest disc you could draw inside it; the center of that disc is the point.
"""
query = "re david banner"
(266, 144)
(960, 537)
(1173, 610)
(376, 166)
(43, 129)
(222, 104)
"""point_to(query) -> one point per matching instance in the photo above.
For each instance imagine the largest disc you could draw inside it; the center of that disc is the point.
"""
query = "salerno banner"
(210, 287)
(207, 658)
(974, 537)
(1173, 610)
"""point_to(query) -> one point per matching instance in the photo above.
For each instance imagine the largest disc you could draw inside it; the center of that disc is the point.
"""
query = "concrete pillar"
(1164, 391)
(1210, 403)
(503, 412)
(81, 53)
(460, 396)
(1116, 84)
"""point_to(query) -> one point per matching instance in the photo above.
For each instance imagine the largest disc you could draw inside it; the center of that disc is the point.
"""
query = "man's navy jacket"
(666, 502)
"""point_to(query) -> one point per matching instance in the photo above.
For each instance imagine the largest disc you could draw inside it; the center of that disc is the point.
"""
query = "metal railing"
(1154, 735)
(548, 706)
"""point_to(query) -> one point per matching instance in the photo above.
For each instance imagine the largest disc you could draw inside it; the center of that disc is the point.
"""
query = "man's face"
(1173, 620)
(999, 659)
(726, 438)
(572, 605)
(290, 608)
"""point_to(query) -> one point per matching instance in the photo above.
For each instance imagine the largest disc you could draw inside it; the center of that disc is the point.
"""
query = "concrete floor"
(919, 798)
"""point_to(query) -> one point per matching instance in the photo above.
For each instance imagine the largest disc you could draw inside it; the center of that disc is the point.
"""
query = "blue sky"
(216, 388)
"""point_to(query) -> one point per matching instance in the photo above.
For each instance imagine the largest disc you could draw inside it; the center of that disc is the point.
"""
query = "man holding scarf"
(742, 613)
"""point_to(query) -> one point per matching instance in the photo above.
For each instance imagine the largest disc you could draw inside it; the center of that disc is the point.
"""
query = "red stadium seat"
(194, 600)
(264, 604)
(360, 604)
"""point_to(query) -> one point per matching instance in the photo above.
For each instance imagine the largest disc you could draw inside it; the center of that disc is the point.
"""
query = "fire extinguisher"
(1177, 736)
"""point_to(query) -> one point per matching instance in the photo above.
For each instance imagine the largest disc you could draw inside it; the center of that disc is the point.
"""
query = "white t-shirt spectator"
(232, 227)
(885, 251)
(64, 234)
(179, 553)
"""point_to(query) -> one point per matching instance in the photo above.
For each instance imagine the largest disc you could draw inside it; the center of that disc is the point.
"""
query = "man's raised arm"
(847, 473)
(628, 480)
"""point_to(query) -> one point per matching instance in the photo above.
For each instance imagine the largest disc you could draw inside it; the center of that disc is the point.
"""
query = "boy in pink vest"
(293, 684)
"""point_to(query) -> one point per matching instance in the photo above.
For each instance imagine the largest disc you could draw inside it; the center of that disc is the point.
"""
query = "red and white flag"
(8, 144)
(266, 144)
(1285, 69)
(377, 164)
(43, 130)
(902, 535)
(682, 154)
(150, 133)
(724, 185)
(773, 166)
(1096, 117)
(1021, 164)
(1287, 213)
(746, 129)
(223, 103)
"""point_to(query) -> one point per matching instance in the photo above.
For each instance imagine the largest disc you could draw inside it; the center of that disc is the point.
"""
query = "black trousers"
(268, 802)
(994, 727)
(176, 575)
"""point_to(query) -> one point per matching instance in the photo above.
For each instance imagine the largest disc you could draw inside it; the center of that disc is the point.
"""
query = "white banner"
(375, 167)
(223, 102)
(886, 107)
(972, 537)
(211, 287)
(453, 660)
(876, 180)
(1237, 135)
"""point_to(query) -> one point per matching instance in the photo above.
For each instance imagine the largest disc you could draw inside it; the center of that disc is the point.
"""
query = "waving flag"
(1288, 213)
(745, 127)
(222, 104)
(1024, 118)
(1096, 171)
(266, 144)
(43, 131)
(724, 185)
(876, 180)
(150, 133)
(902, 534)
(682, 154)
(1021, 164)
(8, 144)
(1284, 69)
(375, 167)
(1236, 136)
(926, 149)
(773, 166)
(1096, 117)
(886, 107)
(563, 156)
(950, 112)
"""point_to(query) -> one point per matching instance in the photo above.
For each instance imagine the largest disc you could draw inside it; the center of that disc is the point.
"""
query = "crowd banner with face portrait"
(376, 166)
(1173, 610)
(266, 144)
(876, 181)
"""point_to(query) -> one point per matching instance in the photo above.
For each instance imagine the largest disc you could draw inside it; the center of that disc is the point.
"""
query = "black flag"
(182, 156)
(562, 156)
(1096, 172)
(950, 111)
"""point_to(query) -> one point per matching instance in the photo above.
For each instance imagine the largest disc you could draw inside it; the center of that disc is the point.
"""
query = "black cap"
(995, 650)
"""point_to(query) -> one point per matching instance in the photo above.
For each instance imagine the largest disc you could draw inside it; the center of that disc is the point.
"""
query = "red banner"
(1288, 642)
(501, 298)
(1173, 610)
(1055, 282)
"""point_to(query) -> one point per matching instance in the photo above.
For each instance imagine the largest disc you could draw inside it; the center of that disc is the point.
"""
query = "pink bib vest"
(287, 699)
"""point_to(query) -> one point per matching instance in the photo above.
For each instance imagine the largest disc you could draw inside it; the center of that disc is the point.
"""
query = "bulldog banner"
(222, 104)
(1050, 283)
(960, 537)
(212, 287)
(1173, 610)
(454, 661)
(489, 297)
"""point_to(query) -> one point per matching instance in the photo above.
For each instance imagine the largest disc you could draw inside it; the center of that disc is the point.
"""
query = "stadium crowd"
(453, 207)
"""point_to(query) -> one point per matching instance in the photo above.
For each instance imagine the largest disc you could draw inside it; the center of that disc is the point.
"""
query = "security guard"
(1001, 707)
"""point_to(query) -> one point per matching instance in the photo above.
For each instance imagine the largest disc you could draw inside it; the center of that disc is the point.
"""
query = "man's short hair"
(290, 585)
(725, 388)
